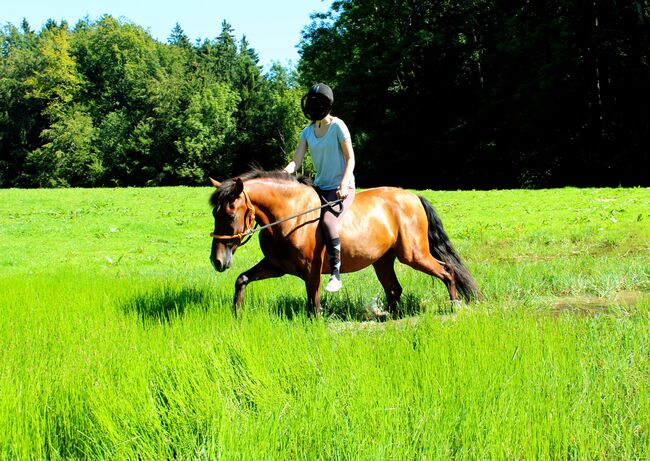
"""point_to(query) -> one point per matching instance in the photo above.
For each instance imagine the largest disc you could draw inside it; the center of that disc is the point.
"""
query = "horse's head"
(234, 217)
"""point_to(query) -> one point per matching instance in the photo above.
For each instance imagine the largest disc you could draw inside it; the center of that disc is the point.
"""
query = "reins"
(249, 218)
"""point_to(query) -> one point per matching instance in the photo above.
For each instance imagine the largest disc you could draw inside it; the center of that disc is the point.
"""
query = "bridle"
(249, 220)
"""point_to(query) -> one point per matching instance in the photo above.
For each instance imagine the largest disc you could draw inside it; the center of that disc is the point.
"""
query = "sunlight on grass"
(117, 339)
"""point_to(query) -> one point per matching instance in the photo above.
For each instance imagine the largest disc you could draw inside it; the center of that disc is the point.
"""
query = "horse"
(382, 225)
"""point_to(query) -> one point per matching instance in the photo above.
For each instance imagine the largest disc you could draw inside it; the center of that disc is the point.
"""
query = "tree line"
(104, 104)
(464, 94)
(490, 93)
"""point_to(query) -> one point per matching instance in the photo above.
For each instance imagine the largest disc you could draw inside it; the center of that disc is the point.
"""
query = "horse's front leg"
(312, 283)
(312, 280)
(260, 271)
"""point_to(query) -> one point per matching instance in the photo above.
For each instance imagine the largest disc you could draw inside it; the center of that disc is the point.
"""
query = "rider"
(330, 146)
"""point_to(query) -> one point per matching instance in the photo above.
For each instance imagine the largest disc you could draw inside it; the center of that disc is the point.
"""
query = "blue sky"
(272, 28)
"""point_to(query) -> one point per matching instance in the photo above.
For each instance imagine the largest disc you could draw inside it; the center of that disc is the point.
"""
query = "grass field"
(117, 339)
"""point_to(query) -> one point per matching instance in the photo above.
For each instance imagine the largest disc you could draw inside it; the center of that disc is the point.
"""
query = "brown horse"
(382, 225)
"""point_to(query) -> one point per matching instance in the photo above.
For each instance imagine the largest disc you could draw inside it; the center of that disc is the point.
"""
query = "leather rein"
(249, 220)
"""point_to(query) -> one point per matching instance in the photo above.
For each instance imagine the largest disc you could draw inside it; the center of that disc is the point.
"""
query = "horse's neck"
(278, 200)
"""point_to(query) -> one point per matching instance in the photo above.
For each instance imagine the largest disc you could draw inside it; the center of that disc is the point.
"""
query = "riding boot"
(334, 258)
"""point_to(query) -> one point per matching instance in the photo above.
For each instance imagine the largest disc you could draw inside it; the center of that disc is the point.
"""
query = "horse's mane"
(227, 187)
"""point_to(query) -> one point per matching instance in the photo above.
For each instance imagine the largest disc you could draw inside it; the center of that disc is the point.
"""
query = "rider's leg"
(331, 216)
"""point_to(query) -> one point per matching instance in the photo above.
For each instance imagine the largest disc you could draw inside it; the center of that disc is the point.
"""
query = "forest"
(467, 94)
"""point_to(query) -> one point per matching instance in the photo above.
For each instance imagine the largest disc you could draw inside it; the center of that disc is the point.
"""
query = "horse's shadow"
(348, 307)
(167, 303)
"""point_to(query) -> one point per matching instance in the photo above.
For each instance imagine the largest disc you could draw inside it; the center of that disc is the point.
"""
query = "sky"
(272, 28)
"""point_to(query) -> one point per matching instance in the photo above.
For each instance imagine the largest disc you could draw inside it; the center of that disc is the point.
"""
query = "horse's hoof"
(381, 316)
(456, 304)
(374, 311)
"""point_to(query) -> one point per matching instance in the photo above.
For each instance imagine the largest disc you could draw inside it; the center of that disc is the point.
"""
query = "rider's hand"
(342, 192)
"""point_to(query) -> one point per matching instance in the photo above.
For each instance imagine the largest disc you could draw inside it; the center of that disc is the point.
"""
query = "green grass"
(117, 339)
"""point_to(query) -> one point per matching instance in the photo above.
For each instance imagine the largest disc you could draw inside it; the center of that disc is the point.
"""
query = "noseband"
(249, 222)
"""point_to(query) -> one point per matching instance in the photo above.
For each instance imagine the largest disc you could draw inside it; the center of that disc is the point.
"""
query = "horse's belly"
(364, 243)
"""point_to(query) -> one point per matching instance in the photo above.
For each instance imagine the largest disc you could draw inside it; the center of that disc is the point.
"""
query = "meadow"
(117, 339)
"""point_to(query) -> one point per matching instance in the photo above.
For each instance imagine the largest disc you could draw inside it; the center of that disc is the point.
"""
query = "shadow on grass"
(167, 303)
(349, 307)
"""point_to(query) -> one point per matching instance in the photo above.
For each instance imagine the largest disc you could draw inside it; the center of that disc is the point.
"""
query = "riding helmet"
(317, 103)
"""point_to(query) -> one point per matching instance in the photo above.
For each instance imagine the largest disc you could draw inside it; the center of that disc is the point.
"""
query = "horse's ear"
(215, 183)
(239, 187)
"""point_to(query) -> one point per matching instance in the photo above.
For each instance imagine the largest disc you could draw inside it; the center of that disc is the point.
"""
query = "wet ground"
(622, 303)
(595, 305)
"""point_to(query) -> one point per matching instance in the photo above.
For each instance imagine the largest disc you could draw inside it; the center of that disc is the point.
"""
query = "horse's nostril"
(216, 264)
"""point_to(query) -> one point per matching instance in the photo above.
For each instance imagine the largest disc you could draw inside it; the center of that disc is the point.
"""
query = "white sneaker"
(333, 285)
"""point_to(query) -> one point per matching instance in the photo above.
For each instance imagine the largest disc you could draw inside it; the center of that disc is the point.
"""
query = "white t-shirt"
(327, 154)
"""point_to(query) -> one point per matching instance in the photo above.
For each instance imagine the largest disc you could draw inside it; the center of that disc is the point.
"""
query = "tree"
(21, 119)
(283, 115)
(179, 38)
(120, 61)
(487, 93)
(208, 121)
(69, 155)
(56, 80)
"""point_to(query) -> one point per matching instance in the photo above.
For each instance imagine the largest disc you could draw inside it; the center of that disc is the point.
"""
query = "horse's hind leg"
(385, 270)
(424, 262)
(260, 271)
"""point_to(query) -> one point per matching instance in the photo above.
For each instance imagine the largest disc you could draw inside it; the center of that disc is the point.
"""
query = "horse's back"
(379, 220)
(386, 193)
(391, 202)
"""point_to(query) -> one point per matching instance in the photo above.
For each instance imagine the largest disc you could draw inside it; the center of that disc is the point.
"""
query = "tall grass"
(117, 339)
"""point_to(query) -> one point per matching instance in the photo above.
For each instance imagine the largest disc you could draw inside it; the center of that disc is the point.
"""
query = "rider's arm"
(348, 156)
(298, 157)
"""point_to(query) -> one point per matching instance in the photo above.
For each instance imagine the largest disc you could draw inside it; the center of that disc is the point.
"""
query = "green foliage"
(21, 119)
(208, 120)
(69, 156)
(284, 116)
(488, 94)
(55, 80)
(105, 104)
(179, 38)
(465, 94)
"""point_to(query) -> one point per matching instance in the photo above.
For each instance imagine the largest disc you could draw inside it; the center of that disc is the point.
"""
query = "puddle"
(595, 305)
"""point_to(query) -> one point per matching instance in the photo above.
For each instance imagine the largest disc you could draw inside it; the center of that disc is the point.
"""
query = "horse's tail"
(441, 249)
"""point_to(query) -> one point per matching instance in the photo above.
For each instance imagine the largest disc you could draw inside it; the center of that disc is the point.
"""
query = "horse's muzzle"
(219, 265)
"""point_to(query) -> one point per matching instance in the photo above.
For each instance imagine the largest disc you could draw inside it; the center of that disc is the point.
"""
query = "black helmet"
(317, 103)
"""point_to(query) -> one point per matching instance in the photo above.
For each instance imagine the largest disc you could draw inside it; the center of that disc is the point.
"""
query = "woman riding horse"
(382, 225)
